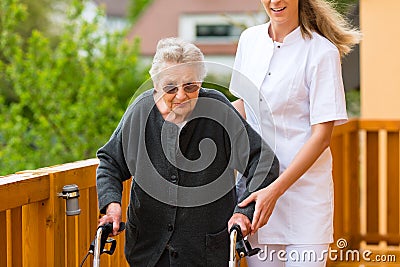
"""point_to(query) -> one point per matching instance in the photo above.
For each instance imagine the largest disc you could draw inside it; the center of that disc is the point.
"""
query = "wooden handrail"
(376, 125)
(350, 126)
(37, 230)
(18, 190)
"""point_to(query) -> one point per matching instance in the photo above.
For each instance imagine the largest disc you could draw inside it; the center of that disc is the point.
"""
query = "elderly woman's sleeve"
(256, 160)
(112, 171)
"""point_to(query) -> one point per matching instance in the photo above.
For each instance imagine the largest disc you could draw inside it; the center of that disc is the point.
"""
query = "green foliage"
(69, 98)
(219, 82)
(37, 17)
(353, 103)
(344, 6)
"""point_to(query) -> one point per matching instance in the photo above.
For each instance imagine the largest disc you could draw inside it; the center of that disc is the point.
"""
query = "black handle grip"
(235, 227)
(239, 235)
(108, 228)
(106, 231)
(243, 247)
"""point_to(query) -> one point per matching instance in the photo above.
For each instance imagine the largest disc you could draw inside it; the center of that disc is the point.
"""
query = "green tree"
(69, 98)
(39, 15)
(344, 6)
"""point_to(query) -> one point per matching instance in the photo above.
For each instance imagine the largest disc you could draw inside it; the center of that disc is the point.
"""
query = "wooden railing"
(366, 175)
(36, 232)
(345, 151)
(379, 183)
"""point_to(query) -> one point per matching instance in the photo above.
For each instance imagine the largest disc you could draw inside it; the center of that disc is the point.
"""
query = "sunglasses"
(187, 87)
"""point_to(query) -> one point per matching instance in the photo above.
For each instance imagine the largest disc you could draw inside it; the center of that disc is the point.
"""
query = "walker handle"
(105, 231)
(243, 247)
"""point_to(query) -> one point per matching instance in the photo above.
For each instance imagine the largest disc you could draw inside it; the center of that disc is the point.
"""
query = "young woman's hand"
(265, 200)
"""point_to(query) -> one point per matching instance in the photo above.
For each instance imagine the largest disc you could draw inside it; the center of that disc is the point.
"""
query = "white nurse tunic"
(288, 87)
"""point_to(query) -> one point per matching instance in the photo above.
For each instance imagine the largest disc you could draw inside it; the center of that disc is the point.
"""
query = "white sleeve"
(235, 84)
(327, 98)
(236, 71)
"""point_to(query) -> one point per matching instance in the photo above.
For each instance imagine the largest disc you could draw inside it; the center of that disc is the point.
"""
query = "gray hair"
(175, 50)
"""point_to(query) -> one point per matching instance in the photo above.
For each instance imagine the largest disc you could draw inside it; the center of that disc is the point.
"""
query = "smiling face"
(173, 104)
(282, 13)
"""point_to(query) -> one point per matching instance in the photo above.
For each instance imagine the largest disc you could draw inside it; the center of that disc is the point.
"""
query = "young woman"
(294, 64)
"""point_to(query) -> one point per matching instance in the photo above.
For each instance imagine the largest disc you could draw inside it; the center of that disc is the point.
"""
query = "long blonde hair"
(320, 16)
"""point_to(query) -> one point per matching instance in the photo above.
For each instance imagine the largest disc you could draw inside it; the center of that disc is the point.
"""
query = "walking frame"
(238, 244)
(97, 247)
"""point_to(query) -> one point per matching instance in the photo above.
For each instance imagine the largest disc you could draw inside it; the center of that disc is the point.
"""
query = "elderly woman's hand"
(113, 215)
(242, 221)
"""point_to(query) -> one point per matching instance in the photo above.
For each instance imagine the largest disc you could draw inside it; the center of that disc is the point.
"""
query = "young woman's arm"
(266, 198)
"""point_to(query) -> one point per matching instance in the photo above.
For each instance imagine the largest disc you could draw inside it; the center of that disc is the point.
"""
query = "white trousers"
(273, 255)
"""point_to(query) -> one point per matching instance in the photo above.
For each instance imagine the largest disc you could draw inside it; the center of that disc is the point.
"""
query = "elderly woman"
(181, 144)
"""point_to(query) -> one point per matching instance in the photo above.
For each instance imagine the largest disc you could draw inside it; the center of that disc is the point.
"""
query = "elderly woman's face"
(179, 85)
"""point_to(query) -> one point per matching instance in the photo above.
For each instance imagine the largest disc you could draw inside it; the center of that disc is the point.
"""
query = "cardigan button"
(174, 254)
(170, 227)
(174, 179)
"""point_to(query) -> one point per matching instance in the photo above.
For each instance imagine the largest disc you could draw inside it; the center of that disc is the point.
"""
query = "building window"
(214, 28)
(217, 31)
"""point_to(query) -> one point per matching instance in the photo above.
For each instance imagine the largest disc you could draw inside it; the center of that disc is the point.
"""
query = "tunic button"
(269, 73)
(279, 46)
(170, 227)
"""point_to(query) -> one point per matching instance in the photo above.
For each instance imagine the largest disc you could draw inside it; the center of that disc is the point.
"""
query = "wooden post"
(382, 195)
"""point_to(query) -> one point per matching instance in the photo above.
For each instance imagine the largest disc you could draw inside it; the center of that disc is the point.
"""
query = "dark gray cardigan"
(183, 189)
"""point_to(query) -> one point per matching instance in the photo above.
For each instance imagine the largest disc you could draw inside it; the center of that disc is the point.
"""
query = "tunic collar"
(291, 38)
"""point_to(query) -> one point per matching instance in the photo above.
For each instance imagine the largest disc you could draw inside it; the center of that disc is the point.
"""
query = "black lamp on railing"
(71, 194)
